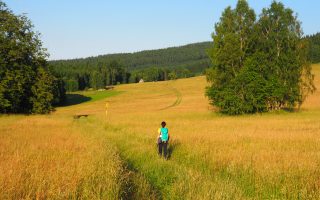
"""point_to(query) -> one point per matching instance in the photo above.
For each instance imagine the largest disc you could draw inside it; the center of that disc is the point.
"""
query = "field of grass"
(263, 156)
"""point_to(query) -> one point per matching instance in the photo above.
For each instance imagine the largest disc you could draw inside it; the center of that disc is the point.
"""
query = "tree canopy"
(260, 64)
(26, 86)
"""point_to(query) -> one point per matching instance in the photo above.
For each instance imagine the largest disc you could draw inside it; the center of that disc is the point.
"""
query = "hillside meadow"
(212, 156)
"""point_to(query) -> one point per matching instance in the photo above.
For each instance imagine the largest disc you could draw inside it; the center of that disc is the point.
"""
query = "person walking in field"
(163, 140)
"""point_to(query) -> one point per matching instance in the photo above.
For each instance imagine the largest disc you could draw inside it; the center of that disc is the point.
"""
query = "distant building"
(109, 87)
(141, 81)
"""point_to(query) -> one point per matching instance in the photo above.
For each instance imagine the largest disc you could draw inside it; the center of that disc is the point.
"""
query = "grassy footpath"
(177, 178)
(134, 185)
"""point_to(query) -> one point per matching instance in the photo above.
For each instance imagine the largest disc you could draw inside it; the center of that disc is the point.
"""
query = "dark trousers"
(164, 146)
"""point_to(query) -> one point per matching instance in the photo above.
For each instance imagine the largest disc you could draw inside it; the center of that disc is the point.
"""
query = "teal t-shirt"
(164, 134)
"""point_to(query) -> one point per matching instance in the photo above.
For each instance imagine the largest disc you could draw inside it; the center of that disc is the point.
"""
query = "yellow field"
(268, 156)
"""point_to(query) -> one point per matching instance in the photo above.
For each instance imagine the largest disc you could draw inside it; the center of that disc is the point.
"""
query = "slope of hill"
(192, 56)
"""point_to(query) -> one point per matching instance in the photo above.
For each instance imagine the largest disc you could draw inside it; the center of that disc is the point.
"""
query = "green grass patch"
(99, 95)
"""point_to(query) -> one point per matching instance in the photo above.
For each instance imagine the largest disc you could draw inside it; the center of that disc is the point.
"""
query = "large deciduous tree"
(258, 65)
(25, 84)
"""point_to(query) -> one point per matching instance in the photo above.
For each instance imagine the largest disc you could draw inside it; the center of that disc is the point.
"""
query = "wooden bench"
(79, 116)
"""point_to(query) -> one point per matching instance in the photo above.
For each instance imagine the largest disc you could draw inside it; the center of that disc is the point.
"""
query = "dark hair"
(163, 124)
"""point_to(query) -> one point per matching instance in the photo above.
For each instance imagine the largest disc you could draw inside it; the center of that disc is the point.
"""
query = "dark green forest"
(153, 65)
(314, 47)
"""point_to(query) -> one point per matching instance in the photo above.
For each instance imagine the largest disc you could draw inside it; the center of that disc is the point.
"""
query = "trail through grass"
(178, 97)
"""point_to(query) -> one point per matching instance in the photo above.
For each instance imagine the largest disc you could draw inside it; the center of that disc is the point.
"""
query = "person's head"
(163, 124)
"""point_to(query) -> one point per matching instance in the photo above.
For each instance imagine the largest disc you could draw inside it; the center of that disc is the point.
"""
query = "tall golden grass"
(262, 156)
(45, 157)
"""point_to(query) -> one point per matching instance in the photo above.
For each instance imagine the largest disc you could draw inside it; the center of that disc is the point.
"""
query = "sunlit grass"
(213, 156)
(273, 155)
(52, 158)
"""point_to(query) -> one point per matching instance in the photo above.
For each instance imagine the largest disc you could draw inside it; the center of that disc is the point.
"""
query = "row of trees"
(158, 74)
(114, 73)
(260, 64)
(96, 77)
(26, 86)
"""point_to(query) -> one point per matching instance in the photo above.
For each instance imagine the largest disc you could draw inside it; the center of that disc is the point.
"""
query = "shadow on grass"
(172, 146)
(74, 99)
(290, 110)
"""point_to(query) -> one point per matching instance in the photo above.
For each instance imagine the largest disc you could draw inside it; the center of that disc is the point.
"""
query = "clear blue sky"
(79, 28)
